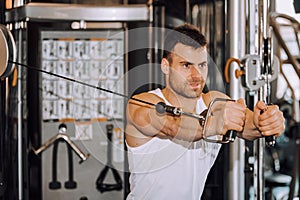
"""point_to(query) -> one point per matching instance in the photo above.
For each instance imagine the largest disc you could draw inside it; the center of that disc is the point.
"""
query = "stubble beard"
(184, 89)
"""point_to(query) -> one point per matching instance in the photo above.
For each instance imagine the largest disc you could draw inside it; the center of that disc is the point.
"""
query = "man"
(168, 158)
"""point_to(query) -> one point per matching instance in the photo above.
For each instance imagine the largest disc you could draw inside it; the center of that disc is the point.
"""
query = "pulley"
(8, 52)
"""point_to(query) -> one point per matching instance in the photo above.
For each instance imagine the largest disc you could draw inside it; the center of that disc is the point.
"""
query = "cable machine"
(43, 117)
(256, 69)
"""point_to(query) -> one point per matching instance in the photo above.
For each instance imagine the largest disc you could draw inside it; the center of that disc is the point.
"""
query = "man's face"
(188, 71)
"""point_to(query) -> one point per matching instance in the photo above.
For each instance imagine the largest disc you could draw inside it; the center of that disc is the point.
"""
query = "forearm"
(152, 123)
(189, 129)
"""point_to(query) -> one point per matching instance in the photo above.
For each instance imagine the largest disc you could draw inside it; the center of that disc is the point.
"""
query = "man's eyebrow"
(190, 63)
(204, 62)
(186, 62)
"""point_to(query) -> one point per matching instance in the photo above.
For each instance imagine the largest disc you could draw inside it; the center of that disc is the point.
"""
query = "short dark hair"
(186, 34)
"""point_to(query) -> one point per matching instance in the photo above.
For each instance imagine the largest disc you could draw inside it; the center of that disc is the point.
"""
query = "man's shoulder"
(150, 97)
(209, 96)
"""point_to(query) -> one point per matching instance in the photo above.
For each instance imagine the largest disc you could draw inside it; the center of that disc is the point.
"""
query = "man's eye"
(203, 65)
(185, 65)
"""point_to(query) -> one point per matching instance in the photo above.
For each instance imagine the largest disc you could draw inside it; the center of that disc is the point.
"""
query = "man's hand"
(225, 116)
(270, 121)
(235, 115)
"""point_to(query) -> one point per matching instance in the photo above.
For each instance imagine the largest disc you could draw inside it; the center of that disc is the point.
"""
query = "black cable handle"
(54, 184)
(105, 187)
(71, 183)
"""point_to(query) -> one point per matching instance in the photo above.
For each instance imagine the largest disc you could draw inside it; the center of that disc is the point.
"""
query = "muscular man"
(168, 158)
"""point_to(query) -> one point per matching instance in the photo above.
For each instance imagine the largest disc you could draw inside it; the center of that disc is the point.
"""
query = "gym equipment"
(101, 185)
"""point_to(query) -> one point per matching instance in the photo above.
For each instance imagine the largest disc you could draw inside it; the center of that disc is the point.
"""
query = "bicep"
(150, 123)
(144, 117)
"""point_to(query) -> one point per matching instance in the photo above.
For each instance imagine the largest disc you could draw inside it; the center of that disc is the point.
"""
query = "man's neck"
(188, 104)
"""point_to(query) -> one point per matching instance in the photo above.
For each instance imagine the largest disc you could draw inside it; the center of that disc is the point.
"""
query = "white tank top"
(163, 169)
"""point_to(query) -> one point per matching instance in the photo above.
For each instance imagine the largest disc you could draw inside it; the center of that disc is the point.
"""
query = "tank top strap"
(200, 107)
(159, 93)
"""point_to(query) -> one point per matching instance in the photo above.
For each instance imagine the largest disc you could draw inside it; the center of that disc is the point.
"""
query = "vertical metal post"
(188, 17)
(237, 49)
(237, 45)
(259, 145)
(150, 42)
(259, 169)
(156, 36)
(20, 115)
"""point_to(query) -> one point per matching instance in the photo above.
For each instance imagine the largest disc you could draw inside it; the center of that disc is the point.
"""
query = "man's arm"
(150, 123)
(143, 118)
(270, 122)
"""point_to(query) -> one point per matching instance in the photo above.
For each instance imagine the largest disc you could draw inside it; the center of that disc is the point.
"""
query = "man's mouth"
(194, 85)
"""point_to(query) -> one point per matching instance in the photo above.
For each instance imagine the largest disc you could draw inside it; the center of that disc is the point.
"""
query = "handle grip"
(162, 108)
(105, 187)
(270, 140)
(229, 136)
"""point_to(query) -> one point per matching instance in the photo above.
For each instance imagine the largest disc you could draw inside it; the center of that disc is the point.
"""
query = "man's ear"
(164, 66)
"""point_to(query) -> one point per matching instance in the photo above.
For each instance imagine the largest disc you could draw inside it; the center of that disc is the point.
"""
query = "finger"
(258, 108)
(272, 128)
(231, 126)
(275, 120)
(271, 112)
(235, 121)
(237, 117)
(241, 101)
(261, 105)
(237, 105)
(274, 131)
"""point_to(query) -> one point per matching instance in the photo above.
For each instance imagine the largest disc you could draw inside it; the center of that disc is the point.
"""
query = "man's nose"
(195, 72)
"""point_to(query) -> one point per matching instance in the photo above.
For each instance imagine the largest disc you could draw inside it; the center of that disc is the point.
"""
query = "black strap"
(54, 184)
(105, 187)
(70, 184)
